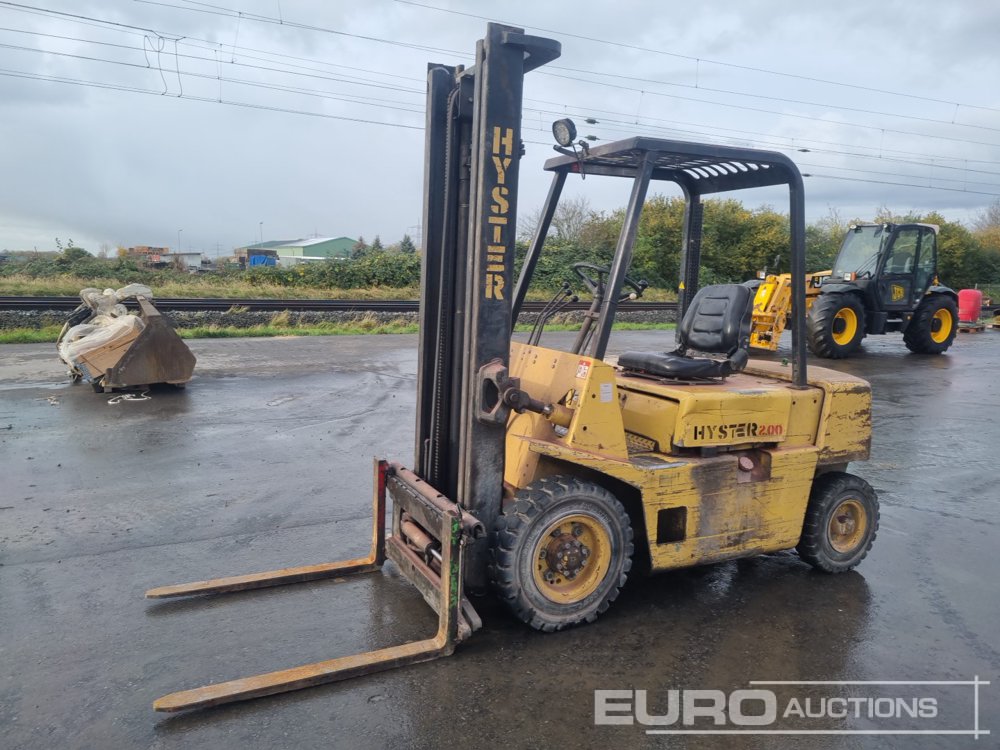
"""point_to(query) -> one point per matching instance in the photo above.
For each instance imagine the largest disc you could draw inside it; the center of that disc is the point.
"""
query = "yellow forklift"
(541, 474)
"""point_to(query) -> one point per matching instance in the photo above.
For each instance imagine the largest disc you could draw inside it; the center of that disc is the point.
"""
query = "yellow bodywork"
(717, 470)
(772, 307)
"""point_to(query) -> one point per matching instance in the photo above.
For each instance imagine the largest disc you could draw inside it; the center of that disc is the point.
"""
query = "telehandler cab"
(539, 471)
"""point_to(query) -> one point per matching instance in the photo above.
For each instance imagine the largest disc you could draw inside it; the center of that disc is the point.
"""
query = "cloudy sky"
(210, 124)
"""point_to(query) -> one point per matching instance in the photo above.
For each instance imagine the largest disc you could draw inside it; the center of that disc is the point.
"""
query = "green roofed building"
(290, 252)
(318, 248)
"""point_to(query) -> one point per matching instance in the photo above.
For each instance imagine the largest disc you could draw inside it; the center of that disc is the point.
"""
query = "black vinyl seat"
(717, 322)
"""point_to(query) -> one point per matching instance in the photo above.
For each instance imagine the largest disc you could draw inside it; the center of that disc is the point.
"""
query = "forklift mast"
(473, 148)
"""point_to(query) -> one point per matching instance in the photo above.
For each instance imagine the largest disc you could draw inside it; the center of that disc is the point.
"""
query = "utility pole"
(179, 239)
(262, 232)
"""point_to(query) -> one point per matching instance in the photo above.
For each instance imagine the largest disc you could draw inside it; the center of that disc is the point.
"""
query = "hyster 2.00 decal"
(708, 432)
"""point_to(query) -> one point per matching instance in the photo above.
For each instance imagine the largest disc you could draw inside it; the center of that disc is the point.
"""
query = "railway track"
(168, 304)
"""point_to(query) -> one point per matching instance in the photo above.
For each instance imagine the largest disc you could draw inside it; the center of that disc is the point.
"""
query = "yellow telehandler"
(884, 279)
(543, 474)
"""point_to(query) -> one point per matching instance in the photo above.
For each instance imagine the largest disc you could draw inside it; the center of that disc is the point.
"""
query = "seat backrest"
(718, 320)
(901, 262)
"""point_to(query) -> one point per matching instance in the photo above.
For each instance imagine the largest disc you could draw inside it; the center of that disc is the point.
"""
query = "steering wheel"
(594, 278)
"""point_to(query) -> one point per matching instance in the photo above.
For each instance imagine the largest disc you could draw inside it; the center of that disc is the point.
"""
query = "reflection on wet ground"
(263, 461)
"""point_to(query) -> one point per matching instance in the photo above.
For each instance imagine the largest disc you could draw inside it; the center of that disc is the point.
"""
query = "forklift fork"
(428, 534)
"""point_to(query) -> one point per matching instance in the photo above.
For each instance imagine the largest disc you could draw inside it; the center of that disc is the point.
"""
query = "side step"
(428, 533)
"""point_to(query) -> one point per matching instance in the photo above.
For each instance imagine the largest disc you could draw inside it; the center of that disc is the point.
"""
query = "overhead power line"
(286, 110)
(191, 97)
(786, 100)
(898, 184)
(372, 101)
(203, 7)
(215, 47)
(217, 10)
(408, 107)
(775, 112)
(416, 109)
(692, 58)
(240, 15)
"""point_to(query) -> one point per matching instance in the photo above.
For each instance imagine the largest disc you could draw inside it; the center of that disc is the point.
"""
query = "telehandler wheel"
(840, 524)
(933, 327)
(835, 325)
(562, 552)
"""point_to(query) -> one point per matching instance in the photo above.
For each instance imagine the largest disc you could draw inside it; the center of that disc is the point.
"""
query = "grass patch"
(209, 285)
(20, 285)
(366, 325)
(44, 335)
(362, 326)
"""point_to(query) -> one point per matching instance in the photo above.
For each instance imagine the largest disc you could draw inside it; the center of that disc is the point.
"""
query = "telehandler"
(544, 474)
(885, 279)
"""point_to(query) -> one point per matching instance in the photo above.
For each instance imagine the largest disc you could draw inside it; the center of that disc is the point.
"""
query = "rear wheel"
(840, 524)
(836, 325)
(934, 325)
(562, 552)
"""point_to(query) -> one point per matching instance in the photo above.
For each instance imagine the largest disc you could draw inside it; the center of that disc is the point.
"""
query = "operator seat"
(901, 263)
(717, 322)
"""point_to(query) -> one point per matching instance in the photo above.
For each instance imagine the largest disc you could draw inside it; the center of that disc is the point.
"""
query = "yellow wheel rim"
(943, 316)
(848, 525)
(571, 558)
(850, 330)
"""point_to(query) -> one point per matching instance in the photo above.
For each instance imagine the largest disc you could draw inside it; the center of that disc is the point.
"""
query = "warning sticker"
(583, 369)
(607, 392)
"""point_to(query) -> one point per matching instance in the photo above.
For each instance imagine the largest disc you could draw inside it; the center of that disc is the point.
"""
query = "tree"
(885, 215)
(823, 240)
(74, 253)
(406, 245)
(360, 249)
(988, 218)
(569, 222)
(986, 227)
(377, 245)
(570, 218)
(658, 245)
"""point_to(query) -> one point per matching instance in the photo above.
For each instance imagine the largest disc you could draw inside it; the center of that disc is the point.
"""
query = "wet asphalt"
(263, 462)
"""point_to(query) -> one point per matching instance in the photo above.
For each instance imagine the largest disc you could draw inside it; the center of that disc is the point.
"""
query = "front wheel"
(934, 325)
(840, 524)
(562, 552)
(835, 325)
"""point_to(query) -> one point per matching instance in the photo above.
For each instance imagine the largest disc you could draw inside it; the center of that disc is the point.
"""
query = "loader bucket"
(129, 351)
(157, 355)
(428, 535)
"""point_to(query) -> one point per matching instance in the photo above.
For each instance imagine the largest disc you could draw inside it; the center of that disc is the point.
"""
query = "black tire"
(834, 543)
(826, 316)
(537, 527)
(934, 325)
